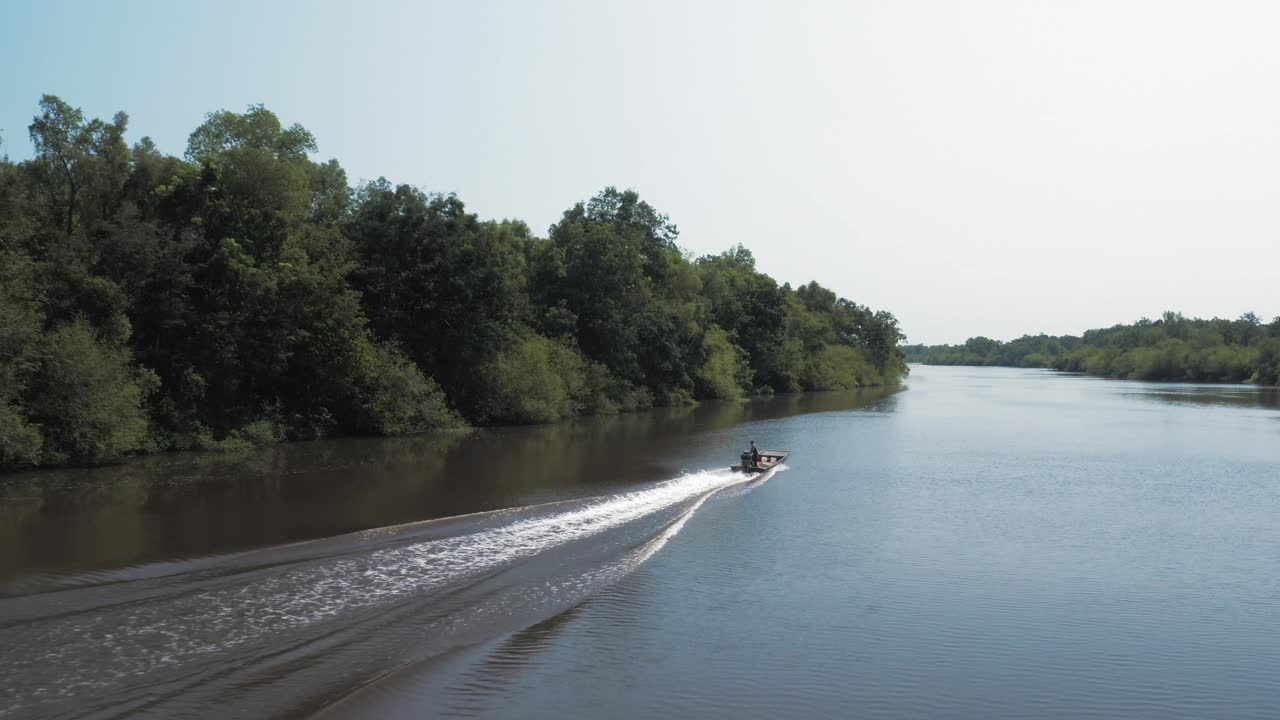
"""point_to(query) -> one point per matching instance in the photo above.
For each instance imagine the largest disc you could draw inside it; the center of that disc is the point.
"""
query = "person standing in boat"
(755, 454)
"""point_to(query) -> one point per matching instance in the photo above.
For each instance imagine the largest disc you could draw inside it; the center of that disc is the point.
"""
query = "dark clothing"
(755, 455)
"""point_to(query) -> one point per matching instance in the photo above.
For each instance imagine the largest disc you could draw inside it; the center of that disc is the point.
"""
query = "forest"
(246, 294)
(1170, 348)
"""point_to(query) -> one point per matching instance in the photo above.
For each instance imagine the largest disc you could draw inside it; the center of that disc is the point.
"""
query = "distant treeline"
(1171, 348)
(245, 294)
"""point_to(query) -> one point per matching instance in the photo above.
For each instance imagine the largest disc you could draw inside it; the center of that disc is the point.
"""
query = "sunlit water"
(987, 543)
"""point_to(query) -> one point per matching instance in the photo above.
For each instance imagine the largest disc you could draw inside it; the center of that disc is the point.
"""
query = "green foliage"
(835, 367)
(244, 294)
(535, 380)
(434, 278)
(609, 268)
(752, 307)
(1267, 368)
(21, 320)
(20, 442)
(86, 398)
(1171, 348)
(726, 372)
(396, 398)
(255, 433)
(258, 128)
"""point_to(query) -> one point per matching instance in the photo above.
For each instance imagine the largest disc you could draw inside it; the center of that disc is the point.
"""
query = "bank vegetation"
(1173, 347)
(245, 293)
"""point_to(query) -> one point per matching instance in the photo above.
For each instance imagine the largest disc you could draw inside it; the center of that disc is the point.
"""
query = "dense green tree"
(753, 308)
(256, 129)
(726, 371)
(436, 279)
(616, 281)
(394, 397)
(21, 320)
(86, 397)
(1172, 348)
(244, 294)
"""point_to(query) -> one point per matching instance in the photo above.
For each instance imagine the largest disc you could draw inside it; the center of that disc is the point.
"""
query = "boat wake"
(212, 636)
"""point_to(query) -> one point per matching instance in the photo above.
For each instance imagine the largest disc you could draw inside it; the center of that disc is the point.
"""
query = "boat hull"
(769, 459)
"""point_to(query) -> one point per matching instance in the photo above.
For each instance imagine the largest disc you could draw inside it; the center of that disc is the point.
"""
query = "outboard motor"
(746, 460)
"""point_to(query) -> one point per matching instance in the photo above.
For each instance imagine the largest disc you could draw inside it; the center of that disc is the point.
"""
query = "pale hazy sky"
(988, 168)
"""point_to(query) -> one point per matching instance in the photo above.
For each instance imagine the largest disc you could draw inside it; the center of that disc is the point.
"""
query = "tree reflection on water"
(194, 504)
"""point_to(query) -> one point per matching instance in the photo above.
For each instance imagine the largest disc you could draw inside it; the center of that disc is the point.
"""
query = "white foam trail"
(568, 591)
(175, 631)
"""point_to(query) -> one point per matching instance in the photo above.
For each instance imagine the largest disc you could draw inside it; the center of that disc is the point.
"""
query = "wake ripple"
(332, 615)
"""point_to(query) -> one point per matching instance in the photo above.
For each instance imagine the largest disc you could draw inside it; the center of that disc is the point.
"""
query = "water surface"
(988, 543)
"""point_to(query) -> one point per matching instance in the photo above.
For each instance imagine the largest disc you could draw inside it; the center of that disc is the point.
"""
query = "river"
(985, 543)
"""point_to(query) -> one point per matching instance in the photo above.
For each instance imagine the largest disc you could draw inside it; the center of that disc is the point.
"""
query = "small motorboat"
(768, 459)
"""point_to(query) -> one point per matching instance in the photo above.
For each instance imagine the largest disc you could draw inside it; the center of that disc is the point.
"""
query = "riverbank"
(1065, 369)
(264, 434)
(1173, 348)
